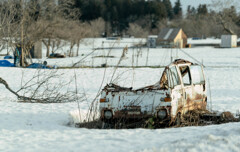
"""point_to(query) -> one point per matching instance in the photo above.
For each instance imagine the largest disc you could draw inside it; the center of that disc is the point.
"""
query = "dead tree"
(8, 23)
(45, 21)
(226, 14)
(137, 31)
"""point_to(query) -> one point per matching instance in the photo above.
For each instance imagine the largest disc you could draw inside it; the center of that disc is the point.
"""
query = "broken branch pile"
(192, 118)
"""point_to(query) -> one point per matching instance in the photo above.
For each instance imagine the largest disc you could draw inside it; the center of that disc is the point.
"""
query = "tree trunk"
(47, 44)
(78, 45)
(71, 47)
(53, 46)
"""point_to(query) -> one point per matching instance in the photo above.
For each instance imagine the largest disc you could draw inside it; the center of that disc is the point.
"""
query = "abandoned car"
(182, 88)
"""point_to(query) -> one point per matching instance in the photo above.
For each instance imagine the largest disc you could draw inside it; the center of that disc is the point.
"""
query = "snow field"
(142, 56)
(47, 127)
(44, 127)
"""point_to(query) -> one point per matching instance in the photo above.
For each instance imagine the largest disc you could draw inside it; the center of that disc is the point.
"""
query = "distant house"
(228, 41)
(172, 37)
(151, 41)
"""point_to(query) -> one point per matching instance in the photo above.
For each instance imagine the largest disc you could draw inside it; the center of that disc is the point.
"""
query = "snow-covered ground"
(152, 57)
(91, 54)
(45, 127)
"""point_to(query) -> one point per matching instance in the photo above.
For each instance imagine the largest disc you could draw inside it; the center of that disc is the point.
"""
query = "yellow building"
(172, 37)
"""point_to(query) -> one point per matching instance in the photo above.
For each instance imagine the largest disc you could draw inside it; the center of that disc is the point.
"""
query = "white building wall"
(228, 41)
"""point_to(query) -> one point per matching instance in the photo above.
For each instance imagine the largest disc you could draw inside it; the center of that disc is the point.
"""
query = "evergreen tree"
(107, 11)
(114, 14)
(90, 10)
(169, 9)
(233, 15)
(124, 8)
(139, 8)
(202, 9)
(157, 12)
(177, 9)
(191, 11)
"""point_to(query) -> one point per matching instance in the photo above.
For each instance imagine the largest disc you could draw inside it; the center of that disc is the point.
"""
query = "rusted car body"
(182, 88)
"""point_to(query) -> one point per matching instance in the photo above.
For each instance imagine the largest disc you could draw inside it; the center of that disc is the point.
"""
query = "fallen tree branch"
(2, 81)
(42, 90)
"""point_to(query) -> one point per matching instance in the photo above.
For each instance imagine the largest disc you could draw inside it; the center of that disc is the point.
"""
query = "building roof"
(168, 33)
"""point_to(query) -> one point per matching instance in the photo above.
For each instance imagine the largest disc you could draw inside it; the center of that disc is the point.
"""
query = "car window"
(185, 73)
(197, 74)
(174, 76)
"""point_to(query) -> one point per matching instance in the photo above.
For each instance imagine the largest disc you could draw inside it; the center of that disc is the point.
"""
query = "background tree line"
(119, 13)
(148, 17)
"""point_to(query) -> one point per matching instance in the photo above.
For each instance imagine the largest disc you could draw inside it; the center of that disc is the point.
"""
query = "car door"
(187, 90)
(176, 90)
(199, 88)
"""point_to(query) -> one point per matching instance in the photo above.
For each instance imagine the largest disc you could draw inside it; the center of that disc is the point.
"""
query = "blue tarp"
(8, 57)
(6, 63)
(38, 66)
